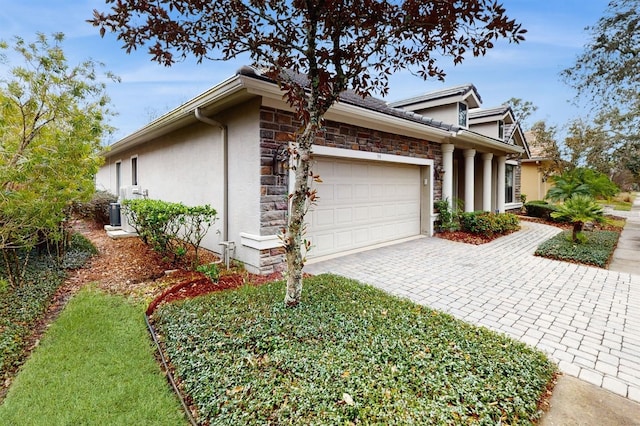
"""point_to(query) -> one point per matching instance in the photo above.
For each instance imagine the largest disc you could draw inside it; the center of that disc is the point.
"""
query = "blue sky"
(529, 70)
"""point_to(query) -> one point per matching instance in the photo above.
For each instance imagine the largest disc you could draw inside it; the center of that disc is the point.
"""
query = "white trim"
(260, 242)
(327, 151)
(313, 260)
(137, 180)
(511, 206)
(512, 162)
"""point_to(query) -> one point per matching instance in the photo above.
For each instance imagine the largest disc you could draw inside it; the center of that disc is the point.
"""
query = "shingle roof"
(536, 150)
(369, 102)
(439, 94)
(489, 112)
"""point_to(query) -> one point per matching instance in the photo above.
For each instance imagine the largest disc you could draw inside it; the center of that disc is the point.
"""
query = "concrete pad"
(576, 402)
(626, 254)
(119, 234)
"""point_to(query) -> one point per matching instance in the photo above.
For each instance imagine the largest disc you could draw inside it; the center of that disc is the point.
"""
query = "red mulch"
(469, 238)
(192, 284)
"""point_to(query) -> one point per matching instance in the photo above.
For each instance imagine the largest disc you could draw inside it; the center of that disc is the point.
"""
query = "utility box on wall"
(114, 215)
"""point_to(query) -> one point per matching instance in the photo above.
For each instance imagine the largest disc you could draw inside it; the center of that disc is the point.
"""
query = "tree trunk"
(293, 240)
(577, 228)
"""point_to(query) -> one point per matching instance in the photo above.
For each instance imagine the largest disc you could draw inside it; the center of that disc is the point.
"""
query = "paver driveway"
(587, 319)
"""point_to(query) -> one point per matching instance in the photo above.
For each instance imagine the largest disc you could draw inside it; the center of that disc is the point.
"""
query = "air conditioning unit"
(128, 193)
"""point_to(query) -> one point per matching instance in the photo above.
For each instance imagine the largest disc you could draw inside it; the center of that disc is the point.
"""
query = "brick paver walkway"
(585, 318)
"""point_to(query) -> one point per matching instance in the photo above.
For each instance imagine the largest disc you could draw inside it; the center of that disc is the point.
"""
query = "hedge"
(485, 223)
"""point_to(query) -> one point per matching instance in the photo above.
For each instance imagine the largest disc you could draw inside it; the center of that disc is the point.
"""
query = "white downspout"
(225, 170)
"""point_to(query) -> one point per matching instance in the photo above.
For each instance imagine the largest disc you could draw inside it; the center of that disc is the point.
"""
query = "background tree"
(606, 75)
(51, 123)
(522, 110)
(334, 45)
(543, 142)
(587, 145)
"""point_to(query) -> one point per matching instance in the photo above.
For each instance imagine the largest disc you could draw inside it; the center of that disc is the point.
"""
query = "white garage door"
(362, 203)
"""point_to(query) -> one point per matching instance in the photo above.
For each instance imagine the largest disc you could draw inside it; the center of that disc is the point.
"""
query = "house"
(382, 166)
(537, 170)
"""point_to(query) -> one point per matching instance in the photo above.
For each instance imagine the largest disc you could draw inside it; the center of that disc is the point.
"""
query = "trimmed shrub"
(170, 228)
(485, 223)
(539, 208)
(97, 209)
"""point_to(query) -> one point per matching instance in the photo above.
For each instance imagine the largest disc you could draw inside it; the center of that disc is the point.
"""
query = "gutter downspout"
(225, 169)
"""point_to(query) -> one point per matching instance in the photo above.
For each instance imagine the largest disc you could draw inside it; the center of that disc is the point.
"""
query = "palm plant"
(579, 209)
(581, 181)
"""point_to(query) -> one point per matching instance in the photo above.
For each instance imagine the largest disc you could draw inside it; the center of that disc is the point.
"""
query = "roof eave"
(487, 142)
(180, 116)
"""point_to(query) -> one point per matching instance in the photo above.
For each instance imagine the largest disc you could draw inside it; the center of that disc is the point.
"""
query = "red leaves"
(335, 45)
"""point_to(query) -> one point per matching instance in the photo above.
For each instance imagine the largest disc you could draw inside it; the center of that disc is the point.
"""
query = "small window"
(134, 171)
(509, 184)
(500, 129)
(118, 177)
(462, 115)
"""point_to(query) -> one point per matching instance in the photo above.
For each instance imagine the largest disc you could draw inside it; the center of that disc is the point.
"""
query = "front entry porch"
(478, 180)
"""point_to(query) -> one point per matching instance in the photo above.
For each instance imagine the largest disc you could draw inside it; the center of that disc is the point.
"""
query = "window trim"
(134, 170)
(512, 199)
(118, 177)
(501, 129)
(463, 107)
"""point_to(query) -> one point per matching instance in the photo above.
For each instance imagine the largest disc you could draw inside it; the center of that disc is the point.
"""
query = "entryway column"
(486, 181)
(500, 183)
(447, 178)
(469, 179)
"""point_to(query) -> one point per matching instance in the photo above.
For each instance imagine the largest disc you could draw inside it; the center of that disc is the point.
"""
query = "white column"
(469, 179)
(486, 181)
(447, 178)
(500, 183)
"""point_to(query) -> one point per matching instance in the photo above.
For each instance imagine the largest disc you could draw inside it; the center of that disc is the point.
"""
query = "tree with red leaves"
(336, 45)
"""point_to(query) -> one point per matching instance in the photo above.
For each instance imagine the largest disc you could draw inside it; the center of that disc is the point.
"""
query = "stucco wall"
(187, 166)
(445, 113)
(532, 185)
(488, 129)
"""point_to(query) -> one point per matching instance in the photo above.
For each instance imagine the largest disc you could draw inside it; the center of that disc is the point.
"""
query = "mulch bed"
(192, 284)
(477, 239)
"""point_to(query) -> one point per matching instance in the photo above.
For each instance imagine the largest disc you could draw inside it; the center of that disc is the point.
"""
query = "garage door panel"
(344, 215)
(363, 203)
(344, 192)
(325, 193)
(323, 242)
(322, 218)
(361, 214)
(344, 239)
(361, 192)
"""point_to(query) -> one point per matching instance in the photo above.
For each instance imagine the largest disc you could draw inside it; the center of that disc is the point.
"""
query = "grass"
(25, 305)
(95, 365)
(621, 202)
(350, 354)
(596, 250)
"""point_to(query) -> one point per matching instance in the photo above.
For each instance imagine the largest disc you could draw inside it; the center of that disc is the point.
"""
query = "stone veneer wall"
(276, 128)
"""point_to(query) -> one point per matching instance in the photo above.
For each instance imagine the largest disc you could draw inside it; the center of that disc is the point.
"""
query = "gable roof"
(437, 97)
(490, 114)
(351, 108)
(369, 102)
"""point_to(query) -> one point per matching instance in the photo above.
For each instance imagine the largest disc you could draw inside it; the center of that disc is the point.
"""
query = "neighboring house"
(382, 166)
(536, 171)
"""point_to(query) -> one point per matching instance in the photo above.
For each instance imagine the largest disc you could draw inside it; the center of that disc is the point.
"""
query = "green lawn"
(95, 365)
(621, 202)
(24, 305)
(350, 354)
